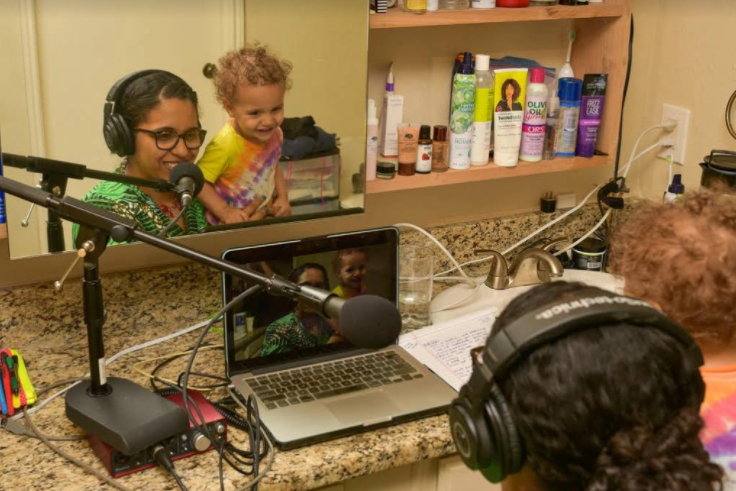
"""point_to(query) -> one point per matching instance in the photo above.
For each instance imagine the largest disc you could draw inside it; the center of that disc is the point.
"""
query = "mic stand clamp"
(55, 184)
(102, 406)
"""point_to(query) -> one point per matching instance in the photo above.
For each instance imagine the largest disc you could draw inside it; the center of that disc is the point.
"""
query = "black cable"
(623, 101)
(221, 447)
(616, 177)
(158, 367)
(161, 455)
(225, 382)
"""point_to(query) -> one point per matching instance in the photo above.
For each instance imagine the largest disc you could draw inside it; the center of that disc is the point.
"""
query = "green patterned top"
(289, 333)
(130, 202)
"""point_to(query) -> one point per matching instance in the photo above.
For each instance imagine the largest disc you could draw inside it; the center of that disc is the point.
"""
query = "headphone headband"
(590, 308)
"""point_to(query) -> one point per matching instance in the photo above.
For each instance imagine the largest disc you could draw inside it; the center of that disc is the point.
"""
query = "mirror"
(61, 58)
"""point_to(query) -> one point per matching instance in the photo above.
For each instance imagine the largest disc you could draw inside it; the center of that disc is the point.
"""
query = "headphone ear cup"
(470, 435)
(118, 136)
(509, 452)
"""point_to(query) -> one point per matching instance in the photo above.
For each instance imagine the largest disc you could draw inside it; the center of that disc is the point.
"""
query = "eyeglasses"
(168, 139)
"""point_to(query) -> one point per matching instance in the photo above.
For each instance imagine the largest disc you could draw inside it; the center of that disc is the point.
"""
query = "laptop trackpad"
(364, 409)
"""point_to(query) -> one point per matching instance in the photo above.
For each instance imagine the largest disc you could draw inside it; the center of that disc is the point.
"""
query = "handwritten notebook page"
(445, 348)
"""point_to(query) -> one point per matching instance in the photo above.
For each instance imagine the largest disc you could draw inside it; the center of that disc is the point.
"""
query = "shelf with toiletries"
(483, 173)
(395, 18)
(421, 60)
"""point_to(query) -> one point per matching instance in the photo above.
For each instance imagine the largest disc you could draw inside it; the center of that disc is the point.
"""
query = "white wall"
(683, 55)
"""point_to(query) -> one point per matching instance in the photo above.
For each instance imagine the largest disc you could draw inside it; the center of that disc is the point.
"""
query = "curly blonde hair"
(249, 65)
(683, 257)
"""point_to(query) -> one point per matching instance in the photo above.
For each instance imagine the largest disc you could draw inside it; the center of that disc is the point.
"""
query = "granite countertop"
(47, 328)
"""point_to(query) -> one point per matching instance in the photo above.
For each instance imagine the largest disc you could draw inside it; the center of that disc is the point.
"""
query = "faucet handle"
(498, 276)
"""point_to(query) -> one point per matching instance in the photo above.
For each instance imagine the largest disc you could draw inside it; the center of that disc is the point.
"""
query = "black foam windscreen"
(370, 321)
(189, 170)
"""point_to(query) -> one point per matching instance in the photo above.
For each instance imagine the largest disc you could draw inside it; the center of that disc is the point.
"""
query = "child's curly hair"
(250, 65)
(684, 258)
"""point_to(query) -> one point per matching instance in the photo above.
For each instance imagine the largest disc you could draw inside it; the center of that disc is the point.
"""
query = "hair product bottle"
(535, 118)
(461, 116)
(569, 90)
(483, 112)
(591, 111)
(508, 116)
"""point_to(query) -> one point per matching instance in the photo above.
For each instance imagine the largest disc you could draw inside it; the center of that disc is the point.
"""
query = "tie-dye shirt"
(719, 412)
(240, 170)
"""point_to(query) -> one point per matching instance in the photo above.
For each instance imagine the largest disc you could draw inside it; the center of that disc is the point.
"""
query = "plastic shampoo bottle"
(535, 118)
(483, 115)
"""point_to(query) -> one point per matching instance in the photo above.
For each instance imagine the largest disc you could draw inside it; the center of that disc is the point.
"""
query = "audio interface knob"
(200, 442)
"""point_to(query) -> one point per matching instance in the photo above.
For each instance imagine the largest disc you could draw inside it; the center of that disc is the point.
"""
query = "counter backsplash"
(189, 293)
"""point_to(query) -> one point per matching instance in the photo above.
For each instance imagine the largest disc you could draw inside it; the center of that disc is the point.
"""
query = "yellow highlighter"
(27, 394)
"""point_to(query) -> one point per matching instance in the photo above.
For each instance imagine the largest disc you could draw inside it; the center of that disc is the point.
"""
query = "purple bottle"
(591, 111)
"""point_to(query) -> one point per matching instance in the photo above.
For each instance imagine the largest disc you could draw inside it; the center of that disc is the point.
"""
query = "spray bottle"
(462, 106)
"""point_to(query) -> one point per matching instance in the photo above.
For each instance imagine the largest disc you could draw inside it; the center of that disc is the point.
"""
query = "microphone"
(188, 181)
(366, 321)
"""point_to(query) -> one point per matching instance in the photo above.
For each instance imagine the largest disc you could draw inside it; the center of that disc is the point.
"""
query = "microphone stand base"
(128, 417)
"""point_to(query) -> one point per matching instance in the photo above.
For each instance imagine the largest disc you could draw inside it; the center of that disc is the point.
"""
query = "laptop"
(311, 385)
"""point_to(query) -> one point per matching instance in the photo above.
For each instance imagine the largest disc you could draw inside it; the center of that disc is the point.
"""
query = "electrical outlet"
(678, 136)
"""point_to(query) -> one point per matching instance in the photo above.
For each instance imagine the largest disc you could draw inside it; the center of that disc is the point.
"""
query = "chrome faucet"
(529, 267)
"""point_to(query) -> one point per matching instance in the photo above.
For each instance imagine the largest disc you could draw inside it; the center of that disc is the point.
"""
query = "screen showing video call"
(264, 329)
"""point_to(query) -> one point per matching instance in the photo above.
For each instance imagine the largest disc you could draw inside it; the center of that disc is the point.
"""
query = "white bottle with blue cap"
(675, 190)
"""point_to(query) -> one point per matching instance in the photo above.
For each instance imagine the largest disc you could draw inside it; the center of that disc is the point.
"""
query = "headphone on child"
(481, 420)
(119, 136)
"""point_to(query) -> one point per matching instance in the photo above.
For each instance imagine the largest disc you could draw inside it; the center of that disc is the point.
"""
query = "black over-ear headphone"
(119, 137)
(481, 421)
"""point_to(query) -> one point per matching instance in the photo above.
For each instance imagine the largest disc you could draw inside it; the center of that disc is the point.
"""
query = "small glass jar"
(385, 170)
(440, 149)
(413, 6)
(454, 4)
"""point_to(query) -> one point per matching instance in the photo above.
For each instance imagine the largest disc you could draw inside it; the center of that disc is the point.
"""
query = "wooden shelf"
(396, 18)
(484, 173)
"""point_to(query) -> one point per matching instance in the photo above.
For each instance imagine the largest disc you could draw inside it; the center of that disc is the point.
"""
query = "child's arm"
(215, 204)
(281, 206)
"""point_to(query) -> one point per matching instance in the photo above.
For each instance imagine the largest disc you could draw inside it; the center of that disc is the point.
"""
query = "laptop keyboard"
(292, 387)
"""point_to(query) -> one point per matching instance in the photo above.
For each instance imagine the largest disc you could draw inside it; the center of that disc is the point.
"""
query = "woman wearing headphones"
(152, 121)
(595, 392)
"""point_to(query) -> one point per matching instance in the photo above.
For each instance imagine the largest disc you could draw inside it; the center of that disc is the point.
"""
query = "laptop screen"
(265, 330)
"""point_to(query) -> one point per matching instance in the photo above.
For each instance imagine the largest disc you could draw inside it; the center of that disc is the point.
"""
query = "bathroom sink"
(463, 299)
